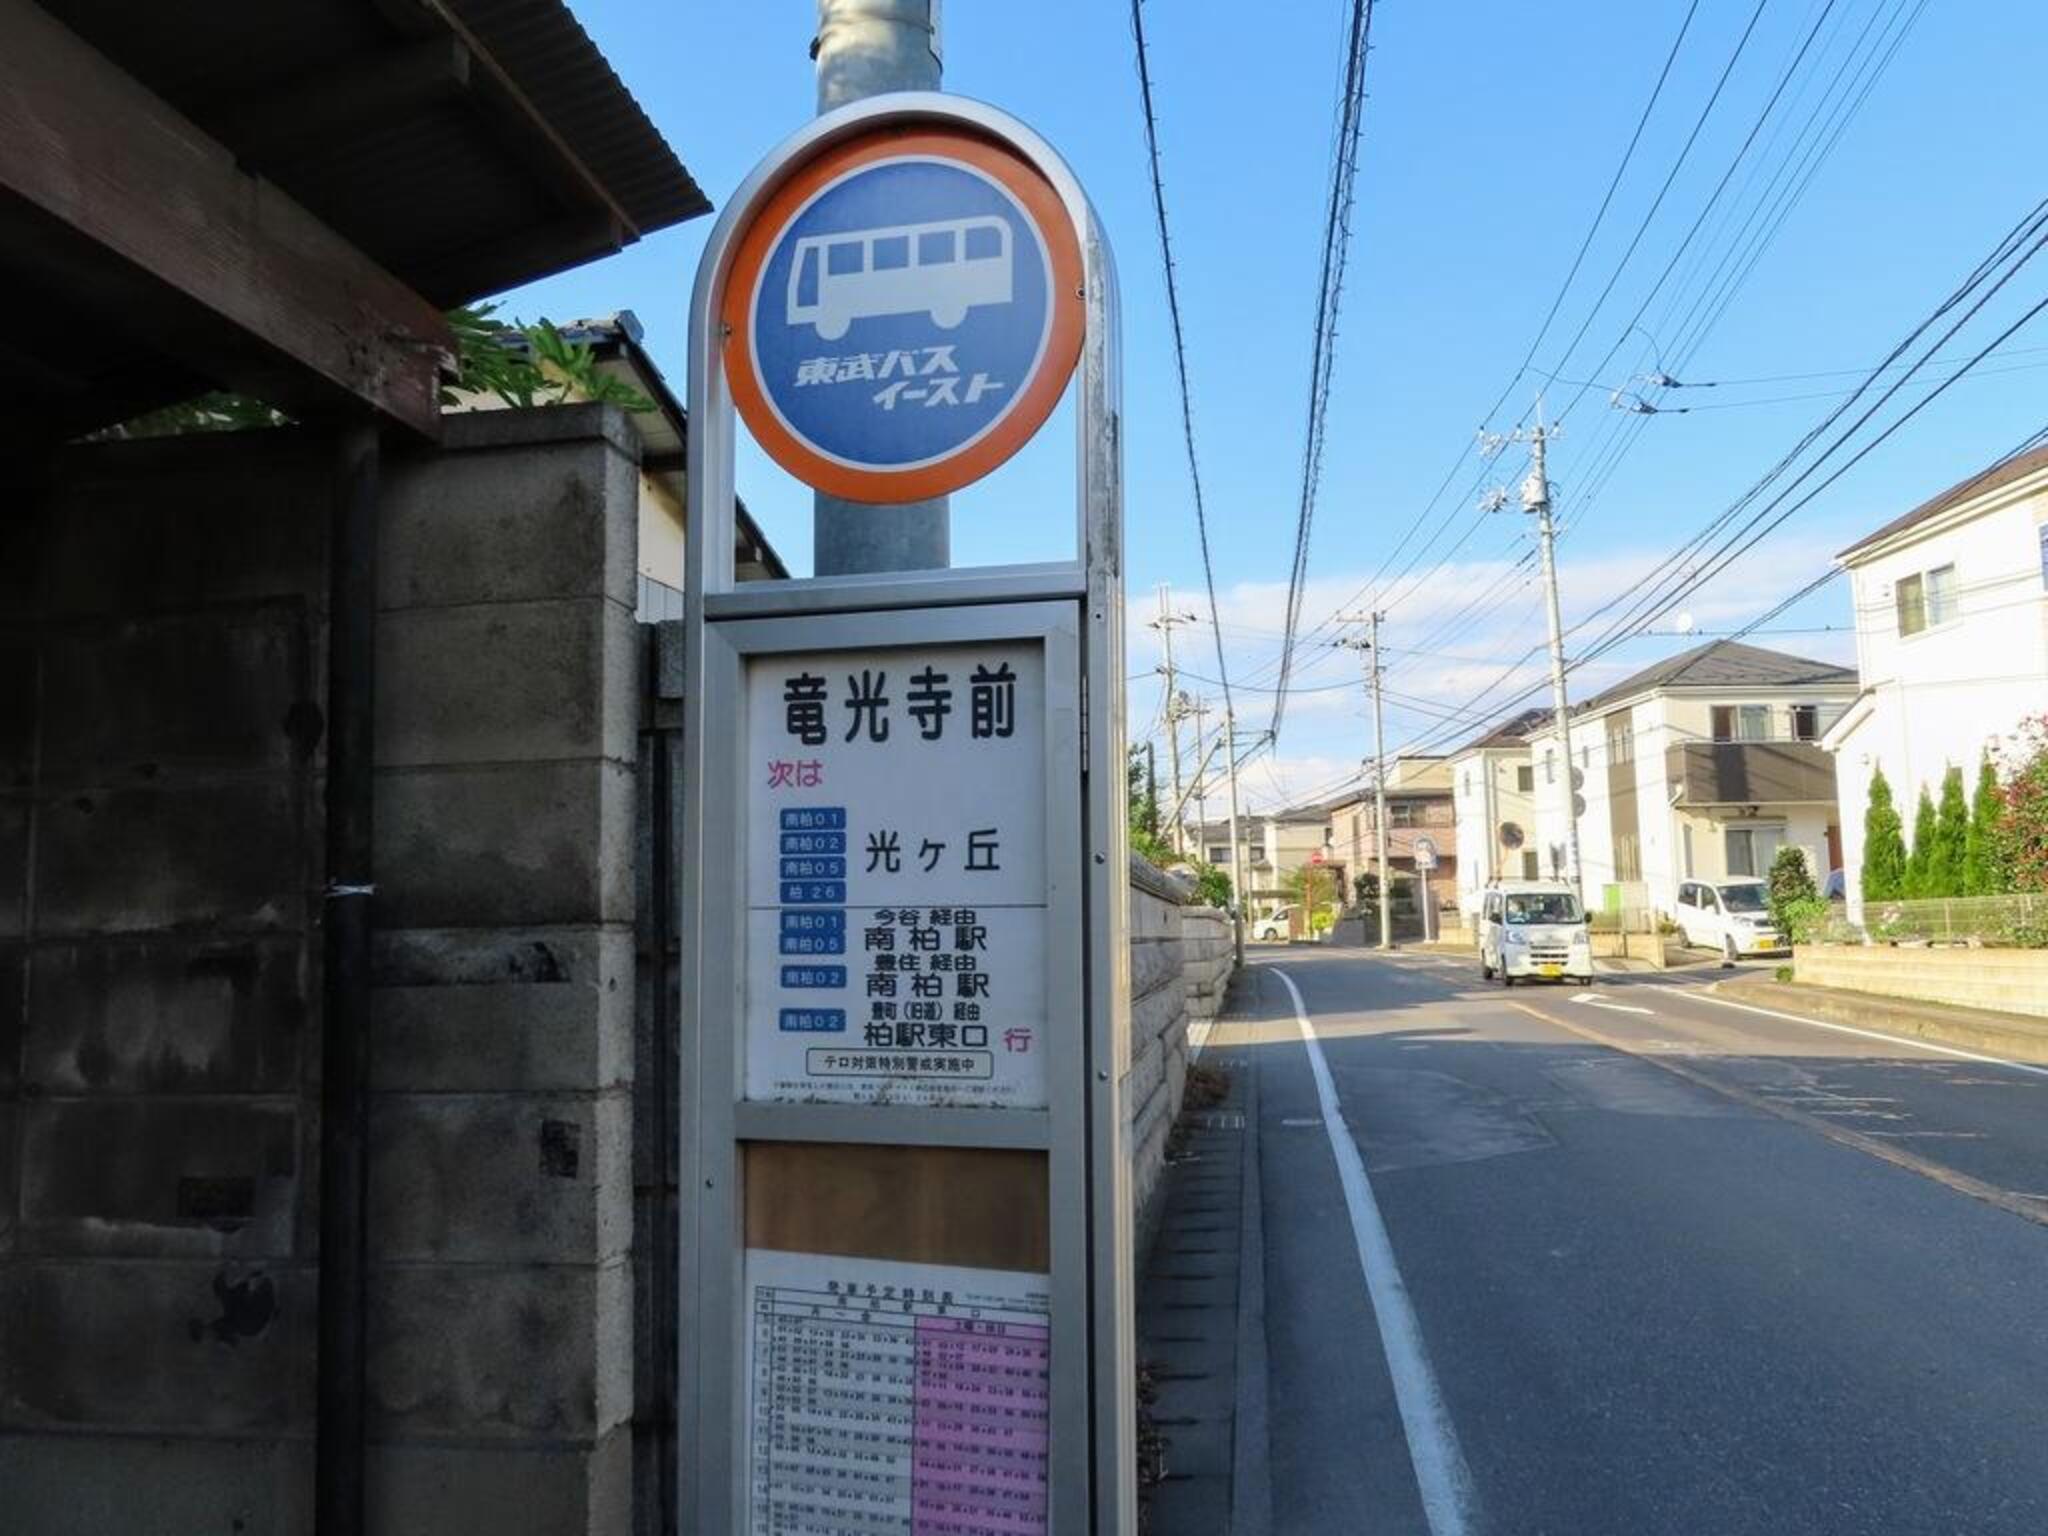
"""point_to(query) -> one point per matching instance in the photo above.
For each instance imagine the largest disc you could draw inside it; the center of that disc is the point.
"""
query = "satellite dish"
(1510, 835)
(1683, 623)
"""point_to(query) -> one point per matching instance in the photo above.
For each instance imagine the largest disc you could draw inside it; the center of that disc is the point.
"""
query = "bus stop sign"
(903, 313)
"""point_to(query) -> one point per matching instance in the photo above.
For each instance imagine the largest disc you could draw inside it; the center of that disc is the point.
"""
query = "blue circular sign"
(901, 313)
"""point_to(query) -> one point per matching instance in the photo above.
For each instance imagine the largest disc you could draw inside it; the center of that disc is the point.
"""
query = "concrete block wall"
(1180, 965)
(162, 682)
(501, 1178)
(2002, 980)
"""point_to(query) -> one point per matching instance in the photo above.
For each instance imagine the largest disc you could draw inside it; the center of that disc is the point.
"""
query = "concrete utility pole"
(1198, 708)
(867, 48)
(1536, 499)
(1370, 649)
(1237, 892)
(1176, 705)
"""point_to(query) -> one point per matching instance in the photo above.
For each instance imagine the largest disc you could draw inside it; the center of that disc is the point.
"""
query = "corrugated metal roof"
(464, 146)
(545, 49)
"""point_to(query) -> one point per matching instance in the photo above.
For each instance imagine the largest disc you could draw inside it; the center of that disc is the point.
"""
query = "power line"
(1323, 352)
(1180, 356)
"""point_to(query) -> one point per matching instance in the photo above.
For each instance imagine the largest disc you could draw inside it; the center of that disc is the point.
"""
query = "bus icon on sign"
(942, 269)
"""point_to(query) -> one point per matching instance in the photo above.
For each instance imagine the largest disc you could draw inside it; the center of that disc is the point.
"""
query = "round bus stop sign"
(903, 313)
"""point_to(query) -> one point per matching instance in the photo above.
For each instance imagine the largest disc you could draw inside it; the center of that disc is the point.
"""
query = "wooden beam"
(90, 147)
(340, 98)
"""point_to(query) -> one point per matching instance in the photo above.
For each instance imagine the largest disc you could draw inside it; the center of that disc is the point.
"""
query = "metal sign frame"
(1075, 609)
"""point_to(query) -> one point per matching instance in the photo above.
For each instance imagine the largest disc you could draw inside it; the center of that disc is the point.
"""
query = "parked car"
(1532, 928)
(1275, 927)
(1733, 916)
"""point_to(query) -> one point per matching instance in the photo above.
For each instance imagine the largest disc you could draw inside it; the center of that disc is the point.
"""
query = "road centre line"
(1867, 1034)
(1862, 1141)
(1441, 1476)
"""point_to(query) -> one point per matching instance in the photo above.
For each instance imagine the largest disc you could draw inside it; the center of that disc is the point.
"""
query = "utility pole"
(1370, 650)
(1237, 892)
(1152, 786)
(1198, 707)
(1536, 501)
(866, 48)
(1167, 621)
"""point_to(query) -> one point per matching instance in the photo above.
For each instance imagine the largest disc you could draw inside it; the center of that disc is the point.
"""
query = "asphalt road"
(1632, 1261)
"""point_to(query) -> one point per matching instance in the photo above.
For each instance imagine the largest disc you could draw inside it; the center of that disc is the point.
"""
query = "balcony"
(1749, 772)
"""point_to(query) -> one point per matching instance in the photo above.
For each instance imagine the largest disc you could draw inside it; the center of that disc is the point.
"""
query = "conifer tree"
(1920, 861)
(1983, 871)
(1945, 860)
(1884, 845)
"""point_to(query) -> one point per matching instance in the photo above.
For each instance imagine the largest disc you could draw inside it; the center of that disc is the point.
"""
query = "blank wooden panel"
(979, 1207)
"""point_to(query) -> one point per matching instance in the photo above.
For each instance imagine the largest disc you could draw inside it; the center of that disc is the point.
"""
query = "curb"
(1975, 1029)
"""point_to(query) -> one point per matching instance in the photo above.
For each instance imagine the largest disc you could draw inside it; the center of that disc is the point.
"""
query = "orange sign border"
(1017, 175)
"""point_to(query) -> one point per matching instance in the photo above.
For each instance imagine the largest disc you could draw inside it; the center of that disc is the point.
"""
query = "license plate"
(1549, 970)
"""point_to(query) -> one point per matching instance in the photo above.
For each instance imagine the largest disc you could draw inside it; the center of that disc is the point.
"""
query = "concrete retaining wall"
(1180, 966)
(2006, 980)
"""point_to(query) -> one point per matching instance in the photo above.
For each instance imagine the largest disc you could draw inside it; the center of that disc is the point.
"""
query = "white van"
(1733, 916)
(1531, 928)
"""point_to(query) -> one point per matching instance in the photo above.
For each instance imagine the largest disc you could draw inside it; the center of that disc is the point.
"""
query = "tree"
(1983, 868)
(1313, 888)
(1920, 862)
(1884, 845)
(1951, 838)
(2023, 828)
(1790, 881)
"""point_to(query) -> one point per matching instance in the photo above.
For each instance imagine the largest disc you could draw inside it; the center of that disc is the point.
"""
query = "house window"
(1751, 849)
(1806, 722)
(1685, 839)
(1741, 722)
(1219, 853)
(2043, 530)
(1926, 600)
(1550, 765)
(1525, 779)
(1529, 867)
(1403, 813)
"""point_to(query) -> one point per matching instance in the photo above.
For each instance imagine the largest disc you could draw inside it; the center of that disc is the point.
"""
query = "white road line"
(1867, 1034)
(1594, 1002)
(1441, 1476)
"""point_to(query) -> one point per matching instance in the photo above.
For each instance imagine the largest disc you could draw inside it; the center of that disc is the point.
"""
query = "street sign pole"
(905, 867)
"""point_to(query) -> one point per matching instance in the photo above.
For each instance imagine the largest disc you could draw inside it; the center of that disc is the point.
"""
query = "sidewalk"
(1974, 1029)
(1201, 1320)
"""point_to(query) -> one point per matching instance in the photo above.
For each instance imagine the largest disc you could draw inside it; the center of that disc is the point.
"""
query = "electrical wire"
(1180, 356)
(1336, 249)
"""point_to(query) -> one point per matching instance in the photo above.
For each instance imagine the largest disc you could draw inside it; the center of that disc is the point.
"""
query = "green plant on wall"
(522, 365)
(1884, 844)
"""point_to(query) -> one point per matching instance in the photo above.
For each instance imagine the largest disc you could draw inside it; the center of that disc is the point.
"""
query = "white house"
(1951, 640)
(1493, 796)
(1699, 767)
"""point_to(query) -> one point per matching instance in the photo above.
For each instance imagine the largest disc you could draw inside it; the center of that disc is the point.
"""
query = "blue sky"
(1491, 132)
